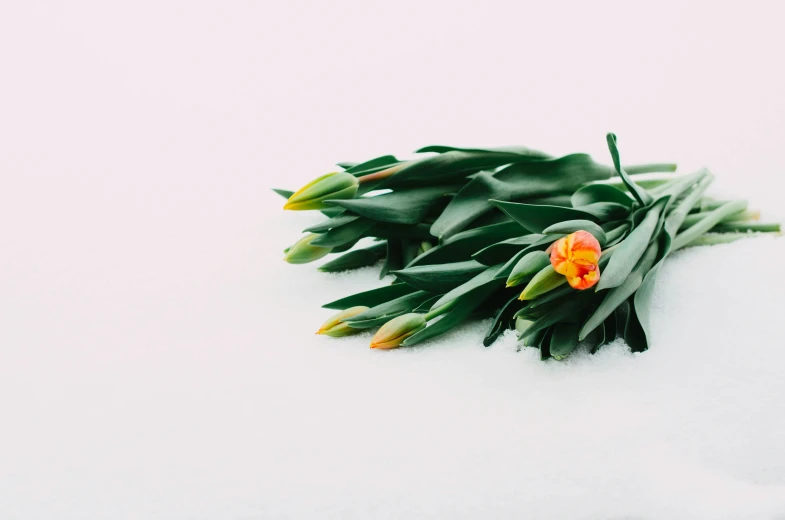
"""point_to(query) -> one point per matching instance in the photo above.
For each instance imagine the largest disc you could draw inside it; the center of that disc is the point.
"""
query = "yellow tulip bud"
(335, 326)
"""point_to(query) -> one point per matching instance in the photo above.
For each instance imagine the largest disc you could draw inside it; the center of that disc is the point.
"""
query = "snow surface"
(157, 358)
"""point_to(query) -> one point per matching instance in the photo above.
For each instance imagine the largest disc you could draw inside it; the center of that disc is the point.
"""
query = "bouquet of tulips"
(564, 250)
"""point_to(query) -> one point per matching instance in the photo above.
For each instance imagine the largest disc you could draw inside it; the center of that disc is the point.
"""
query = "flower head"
(576, 257)
(398, 329)
(303, 252)
(333, 186)
(335, 326)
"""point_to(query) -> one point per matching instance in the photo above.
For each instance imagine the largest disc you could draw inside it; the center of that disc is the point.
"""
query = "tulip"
(530, 264)
(544, 281)
(576, 257)
(398, 329)
(333, 186)
(335, 326)
(303, 252)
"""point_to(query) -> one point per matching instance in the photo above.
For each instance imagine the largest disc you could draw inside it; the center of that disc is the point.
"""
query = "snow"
(157, 358)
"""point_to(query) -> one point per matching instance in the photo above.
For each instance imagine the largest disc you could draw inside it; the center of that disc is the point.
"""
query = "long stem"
(763, 227)
(383, 174)
(439, 310)
(724, 238)
(650, 168)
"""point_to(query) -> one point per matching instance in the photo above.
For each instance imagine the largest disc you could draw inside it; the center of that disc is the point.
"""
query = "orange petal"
(586, 280)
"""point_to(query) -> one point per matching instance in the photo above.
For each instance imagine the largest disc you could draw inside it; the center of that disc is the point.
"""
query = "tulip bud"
(398, 329)
(530, 264)
(545, 280)
(335, 326)
(303, 252)
(576, 257)
(333, 186)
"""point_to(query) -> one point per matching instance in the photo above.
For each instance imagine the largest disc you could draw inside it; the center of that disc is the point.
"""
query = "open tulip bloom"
(563, 250)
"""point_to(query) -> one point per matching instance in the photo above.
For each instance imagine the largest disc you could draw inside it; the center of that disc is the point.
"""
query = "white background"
(157, 358)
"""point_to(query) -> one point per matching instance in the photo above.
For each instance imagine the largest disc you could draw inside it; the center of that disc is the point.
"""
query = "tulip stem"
(383, 174)
(438, 311)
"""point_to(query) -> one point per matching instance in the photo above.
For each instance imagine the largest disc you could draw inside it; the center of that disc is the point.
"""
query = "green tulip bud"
(398, 329)
(530, 264)
(333, 186)
(335, 326)
(303, 252)
(545, 280)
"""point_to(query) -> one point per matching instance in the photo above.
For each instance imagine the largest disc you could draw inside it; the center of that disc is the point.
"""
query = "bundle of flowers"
(564, 250)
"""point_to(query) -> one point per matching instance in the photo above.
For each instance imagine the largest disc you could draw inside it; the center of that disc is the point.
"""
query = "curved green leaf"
(408, 206)
(629, 251)
(600, 193)
(639, 193)
(442, 277)
(372, 297)
(536, 218)
(570, 226)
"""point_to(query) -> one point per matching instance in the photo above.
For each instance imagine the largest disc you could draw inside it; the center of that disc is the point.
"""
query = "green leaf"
(643, 198)
(509, 150)
(564, 339)
(343, 234)
(440, 278)
(570, 226)
(628, 252)
(505, 250)
(462, 309)
(564, 312)
(615, 235)
(394, 259)
(464, 244)
(618, 294)
(371, 298)
(537, 218)
(384, 312)
(523, 180)
(283, 193)
(331, 223)
(600, 193)
(546, 280)
(355, 259)
(379, 163)
(450, 166)
(634, 335)
(708, 222)
(530, 264)
(605, 211)
(484, 279)
(398, 207)
(501, 321)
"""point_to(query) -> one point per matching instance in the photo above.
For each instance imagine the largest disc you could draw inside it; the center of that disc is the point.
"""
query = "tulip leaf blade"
(639, 193)
(564, 339)
(571, 226)
(593, 193)
(619, 294)
(343, 234)
(355, 259)
(440, 278)
(384, 312)
(371, 298)
(536, 218)
(518, 181)
(409, 206)
(631, 249)
(461, 309)
(501, 321)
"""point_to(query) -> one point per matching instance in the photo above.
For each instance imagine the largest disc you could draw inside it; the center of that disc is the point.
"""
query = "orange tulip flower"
(576, 256)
